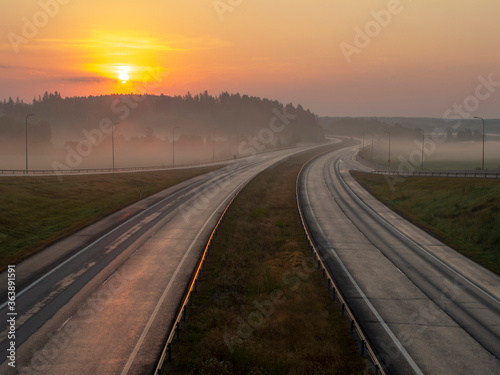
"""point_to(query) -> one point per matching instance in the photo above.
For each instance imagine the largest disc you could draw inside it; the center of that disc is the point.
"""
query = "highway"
(102, 300)
(425, 308)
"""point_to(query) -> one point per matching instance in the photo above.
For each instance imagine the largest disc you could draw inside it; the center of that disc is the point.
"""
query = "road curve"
(425, 308)
(102, 300)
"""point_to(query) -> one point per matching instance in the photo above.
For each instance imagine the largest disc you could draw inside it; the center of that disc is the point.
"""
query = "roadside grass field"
(262, 307)
(463, 213)
(37, 211)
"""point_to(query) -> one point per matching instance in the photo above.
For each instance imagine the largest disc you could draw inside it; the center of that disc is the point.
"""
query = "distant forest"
(145, 125)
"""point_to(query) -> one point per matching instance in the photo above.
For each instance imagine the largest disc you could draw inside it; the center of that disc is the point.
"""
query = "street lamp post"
(213, 144)
(113, 143)
(482, 119)
(423, 142)
(389, 160)
(371, 153)
(31, 114)
(173, 145)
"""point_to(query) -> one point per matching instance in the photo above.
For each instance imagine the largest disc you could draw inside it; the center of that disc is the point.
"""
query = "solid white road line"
(392, 227)
(139, 343)
(33, 284)
(403, 351)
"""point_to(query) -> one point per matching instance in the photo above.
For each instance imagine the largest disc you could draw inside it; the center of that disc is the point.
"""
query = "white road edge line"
(403, 351)
(165, 292)
(89, 246)
(392, 227)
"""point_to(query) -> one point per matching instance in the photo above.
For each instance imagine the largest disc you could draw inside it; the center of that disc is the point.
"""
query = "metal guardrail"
(166, 354)
(181, 315)
(464, 174)
(336, 293)
(102, 170)
(126, 169)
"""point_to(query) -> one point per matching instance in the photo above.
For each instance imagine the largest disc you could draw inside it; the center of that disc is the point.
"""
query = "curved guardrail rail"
(102, 170)
(492, 175)
(181, 314)
(125, 169)
(346, 310)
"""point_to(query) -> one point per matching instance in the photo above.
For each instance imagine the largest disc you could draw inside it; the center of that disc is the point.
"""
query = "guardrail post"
(177, 330)
(363, 345)
(343, 309)
(184, 312)
(352, 327)
(333, 293)
(319, 264)
(169, 352)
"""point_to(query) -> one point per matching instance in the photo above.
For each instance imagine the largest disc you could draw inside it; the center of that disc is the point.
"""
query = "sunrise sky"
(423, 56)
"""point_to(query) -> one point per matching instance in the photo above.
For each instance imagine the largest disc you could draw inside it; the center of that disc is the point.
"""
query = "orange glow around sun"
(126, 59)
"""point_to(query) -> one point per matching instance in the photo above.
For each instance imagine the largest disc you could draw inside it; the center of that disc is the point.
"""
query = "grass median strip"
(261, 306)
(463, 213)
(37, 211)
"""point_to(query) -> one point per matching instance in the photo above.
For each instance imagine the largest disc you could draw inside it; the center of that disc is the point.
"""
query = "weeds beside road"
(261, 306)
(37, 211)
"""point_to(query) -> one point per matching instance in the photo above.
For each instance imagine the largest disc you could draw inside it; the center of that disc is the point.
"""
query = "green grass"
(259, 258)
(464, 213)
(37, 211)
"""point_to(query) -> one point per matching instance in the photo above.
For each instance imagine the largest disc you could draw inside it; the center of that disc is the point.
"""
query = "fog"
(447, 146)
(130, 150)
(406, 154)
(147, 131)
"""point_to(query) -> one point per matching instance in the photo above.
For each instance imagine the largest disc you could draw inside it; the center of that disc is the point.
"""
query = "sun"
(124, 77)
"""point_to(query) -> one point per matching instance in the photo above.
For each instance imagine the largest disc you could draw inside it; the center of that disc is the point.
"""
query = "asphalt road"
(425, 308)
(102, 301)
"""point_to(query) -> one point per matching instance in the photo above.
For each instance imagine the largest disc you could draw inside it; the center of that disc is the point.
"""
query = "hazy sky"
(336, 57)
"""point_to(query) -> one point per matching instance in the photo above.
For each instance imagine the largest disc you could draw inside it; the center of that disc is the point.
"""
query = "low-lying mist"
(447, 145)
(406, 154)
(147, 130)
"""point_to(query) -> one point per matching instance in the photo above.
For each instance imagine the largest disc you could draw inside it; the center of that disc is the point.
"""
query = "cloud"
(80, 79)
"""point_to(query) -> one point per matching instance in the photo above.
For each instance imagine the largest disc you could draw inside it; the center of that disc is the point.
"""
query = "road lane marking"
(392, 227)
(65, 322)
(60, 265)
(139, 343)
(384, 325)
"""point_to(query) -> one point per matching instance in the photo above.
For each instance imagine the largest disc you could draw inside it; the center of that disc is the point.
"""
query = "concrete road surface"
(426, 308)
(102, 301)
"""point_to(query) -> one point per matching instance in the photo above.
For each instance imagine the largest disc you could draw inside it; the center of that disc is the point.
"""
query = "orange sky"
(421, 58)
